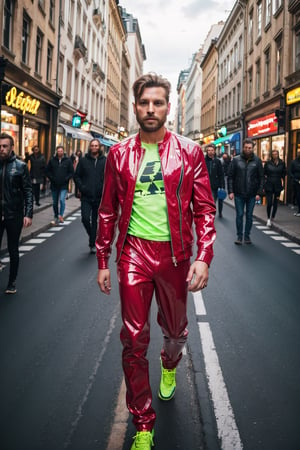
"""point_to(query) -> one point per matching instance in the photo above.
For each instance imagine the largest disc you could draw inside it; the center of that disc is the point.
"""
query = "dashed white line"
(228, 433)
(199, 304)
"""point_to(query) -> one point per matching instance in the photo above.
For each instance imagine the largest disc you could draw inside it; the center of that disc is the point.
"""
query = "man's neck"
(153, 138)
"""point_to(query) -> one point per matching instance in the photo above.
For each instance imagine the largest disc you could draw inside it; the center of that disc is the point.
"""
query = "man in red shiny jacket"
(156, 187)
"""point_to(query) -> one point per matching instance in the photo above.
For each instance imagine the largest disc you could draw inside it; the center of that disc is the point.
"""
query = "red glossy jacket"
(187, 190)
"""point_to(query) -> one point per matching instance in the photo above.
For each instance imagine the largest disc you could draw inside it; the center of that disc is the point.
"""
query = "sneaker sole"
(166, 399)
(10, 292)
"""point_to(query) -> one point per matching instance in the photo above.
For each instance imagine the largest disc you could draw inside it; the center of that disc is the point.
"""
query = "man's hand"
(197, 277)
(27, 221)
(104, 281)
(231, 196)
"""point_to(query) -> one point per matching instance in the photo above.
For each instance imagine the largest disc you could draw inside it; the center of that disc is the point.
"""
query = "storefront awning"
(228, 139)
(76, 133)
(106, 142)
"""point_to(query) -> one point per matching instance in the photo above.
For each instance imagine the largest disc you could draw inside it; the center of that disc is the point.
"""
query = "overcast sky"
(172, 31)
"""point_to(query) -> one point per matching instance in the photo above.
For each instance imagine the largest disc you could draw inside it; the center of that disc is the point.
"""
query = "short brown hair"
(150, 80)
(7, 136)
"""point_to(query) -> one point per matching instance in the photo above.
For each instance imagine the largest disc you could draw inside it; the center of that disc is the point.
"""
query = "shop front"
(264, 132)
(292, 100)
(230, 144)
(28, 112)
(72, 138)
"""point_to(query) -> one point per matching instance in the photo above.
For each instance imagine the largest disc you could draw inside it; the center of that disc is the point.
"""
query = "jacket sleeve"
(260, 190)
(70, 173)
(108, 214)
(27, 192)
(221, 174)
(230, 177)
(49, 173)
(204, 211)
(78, 175)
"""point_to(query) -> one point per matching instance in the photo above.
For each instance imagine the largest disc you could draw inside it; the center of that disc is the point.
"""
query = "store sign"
(263, 125)
(21, 101)
(293, 96)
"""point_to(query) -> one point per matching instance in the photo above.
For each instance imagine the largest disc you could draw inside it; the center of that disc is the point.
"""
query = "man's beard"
(155, 126)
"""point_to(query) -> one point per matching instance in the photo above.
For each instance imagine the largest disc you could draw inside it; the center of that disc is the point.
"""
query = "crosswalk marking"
(277, 237)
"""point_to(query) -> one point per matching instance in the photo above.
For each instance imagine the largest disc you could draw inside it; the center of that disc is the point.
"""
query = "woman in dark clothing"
(275, 172)
(37, 172)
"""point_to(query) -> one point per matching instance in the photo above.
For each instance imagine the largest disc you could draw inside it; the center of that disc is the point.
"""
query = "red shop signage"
(263, 125)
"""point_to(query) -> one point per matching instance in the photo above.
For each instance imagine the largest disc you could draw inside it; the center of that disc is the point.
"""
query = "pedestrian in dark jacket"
(294, 174)
(216, 174)
(274, 172)
(37, 172)
(59, 171)
(89, 175)
(245, 186)
(16, 203)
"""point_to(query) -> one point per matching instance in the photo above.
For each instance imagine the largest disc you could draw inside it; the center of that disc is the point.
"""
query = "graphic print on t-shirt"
(150, 177)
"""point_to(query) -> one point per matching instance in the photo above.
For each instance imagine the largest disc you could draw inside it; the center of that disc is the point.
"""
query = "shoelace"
(168, 376)
(142, 439)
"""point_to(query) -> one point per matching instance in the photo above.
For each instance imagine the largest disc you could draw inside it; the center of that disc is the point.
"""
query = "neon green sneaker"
(143, 440)
(167, 383)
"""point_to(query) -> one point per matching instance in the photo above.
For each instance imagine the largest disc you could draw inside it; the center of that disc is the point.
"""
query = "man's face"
(248, 150)
(151, 109)
(210, 152)
(35, 150)
(5, 149)
(60, 152)
(95, 147)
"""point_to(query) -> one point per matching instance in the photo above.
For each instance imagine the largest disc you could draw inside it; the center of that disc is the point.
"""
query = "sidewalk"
(285, 222)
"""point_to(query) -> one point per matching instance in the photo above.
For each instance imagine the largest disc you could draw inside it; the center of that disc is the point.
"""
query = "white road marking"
(262, 227)
(117, 435)
(227, 429)
(45, 235)
(72, 218)
(66, 222)
(26, 248)
(291, 244)
(270, 232)
(56, 228)
(279, 238)
(199, 304)
(35, 241)
(296, 251)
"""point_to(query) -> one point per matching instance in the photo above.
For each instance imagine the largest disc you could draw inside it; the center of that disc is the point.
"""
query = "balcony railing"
(80, 49)
(97, 72)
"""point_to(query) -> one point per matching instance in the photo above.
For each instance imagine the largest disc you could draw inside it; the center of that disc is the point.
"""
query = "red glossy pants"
(146, 267)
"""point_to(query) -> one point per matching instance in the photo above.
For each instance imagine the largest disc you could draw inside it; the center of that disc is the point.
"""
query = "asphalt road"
(61, 374)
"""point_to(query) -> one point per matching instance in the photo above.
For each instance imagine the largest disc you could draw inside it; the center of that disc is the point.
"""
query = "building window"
(250, 85)
(259, 16)
(76, 89)
(52, 12)
(82, 93)
(276, 5)
(250, 31)
(278, 60)
(297, 50)
(25, 38)
(49, 62)
(38, 51)
(267, 71)
(239, 98)
(69, 81)
(61, 73)
(233, 102)
(268, 11)
(7, 24)
(235, 56)
(257, 79)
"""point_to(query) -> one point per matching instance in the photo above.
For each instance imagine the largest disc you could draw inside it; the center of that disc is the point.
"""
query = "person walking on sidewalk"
(37, 164)
(294, 173)
(59, 171)
(16, 207)
(156, 186)
(89, 175)
(245, 186)
(274, 172)
(216, 175)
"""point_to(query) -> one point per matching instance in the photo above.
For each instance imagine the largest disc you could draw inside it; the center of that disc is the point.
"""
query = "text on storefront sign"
(264, 125)
(23, 103)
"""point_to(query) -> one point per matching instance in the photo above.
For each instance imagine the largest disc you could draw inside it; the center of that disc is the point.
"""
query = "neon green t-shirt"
(149, 217)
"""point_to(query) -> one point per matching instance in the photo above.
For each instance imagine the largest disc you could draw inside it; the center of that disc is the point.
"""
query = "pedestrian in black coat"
(89, 176)
(274, 172)
(37, 172)
(216, 175)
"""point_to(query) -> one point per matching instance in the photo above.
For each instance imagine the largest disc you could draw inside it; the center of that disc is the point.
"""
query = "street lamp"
(3, 63)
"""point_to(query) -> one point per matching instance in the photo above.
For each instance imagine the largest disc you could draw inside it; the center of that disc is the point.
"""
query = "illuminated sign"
(21, 101)
(293, 96)
(76, 121)
(264, 125)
